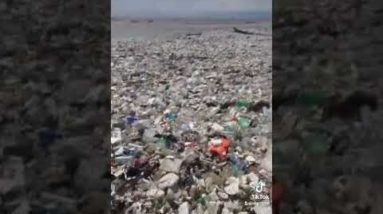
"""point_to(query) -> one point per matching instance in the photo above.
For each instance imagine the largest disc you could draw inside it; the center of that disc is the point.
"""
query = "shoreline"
(171, 28)
(195, 20)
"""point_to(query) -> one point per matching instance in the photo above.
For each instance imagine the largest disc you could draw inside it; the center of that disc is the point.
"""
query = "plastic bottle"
(237, 164)
(167, 87)
(162, 142)
(229, 130)
(126, 160)
(131, 119)
(171, 116)
(235, 170)
(242, 104)
(133, 152)
(202, 199)
(244, 122)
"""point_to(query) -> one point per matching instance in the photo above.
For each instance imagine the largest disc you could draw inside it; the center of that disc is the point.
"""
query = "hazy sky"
(184, 7)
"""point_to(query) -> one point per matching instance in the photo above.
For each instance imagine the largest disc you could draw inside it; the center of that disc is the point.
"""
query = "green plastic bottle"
(162, 142)
(229, 130)
(167, 87)
(244, 122)
(242, 104)
(201, 200)
(235, 170)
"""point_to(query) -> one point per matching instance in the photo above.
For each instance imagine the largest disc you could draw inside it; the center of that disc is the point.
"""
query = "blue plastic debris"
(131, 119)
(172, 116)
(237, 163)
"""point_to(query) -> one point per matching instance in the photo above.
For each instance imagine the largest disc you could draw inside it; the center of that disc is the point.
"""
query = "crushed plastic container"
(162, 142)
(116, 136)
(242, 104)
(127, 160)
(238, 165)
(244, 122)
(171, 116)
(133, 152)
(219, 147)
(131, 119)
(230, 130)
(167, 87)
(202, 199)
(235, 170)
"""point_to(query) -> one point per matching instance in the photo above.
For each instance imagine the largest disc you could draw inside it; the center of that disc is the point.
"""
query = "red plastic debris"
(220, 149)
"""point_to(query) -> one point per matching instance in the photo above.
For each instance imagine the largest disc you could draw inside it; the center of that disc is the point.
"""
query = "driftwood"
(236, 30)
(242, 31)
(194, 34)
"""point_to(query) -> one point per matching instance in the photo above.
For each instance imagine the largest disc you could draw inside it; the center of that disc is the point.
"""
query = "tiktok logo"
(259, 186)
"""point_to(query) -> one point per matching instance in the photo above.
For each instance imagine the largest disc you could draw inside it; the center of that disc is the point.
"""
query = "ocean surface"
(242, 16)
(166, 27)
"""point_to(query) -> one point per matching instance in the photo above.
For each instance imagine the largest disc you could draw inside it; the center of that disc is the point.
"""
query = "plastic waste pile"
(186, 137)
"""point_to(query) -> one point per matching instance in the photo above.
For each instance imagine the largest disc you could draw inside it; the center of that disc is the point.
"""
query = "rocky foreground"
(191, 124)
